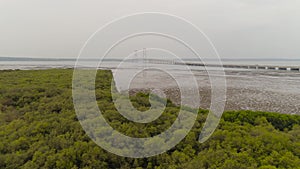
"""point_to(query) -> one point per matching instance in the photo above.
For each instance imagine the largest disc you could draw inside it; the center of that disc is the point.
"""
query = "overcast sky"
(238, 28)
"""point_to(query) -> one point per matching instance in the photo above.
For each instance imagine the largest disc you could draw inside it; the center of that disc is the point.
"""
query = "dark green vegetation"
(39, 129)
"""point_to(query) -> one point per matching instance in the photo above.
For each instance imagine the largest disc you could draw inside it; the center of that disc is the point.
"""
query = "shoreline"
(270, 91)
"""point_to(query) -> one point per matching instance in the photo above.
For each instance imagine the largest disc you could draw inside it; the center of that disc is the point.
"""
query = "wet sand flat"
(260, 90)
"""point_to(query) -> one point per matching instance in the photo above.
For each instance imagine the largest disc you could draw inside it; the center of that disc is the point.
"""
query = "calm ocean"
(110, 64)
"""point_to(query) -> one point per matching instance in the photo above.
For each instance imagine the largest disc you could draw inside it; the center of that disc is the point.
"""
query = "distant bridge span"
(190, 63)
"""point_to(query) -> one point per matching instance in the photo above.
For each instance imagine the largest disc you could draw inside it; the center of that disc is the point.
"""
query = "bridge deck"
(260, 67)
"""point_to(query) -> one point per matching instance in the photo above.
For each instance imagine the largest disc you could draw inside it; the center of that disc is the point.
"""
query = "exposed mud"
(271, 91)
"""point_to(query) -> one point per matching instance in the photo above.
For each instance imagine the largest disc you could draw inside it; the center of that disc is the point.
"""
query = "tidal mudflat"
(259, 90)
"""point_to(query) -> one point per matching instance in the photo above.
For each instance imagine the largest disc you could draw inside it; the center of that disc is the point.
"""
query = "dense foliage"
(39, 129)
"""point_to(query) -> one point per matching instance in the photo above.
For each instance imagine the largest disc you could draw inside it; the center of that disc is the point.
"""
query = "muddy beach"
(271, 91)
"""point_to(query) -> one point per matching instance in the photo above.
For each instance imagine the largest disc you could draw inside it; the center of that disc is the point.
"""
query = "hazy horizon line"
(116, 58)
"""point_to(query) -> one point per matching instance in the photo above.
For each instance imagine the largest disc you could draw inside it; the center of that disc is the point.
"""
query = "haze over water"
(58, 63)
